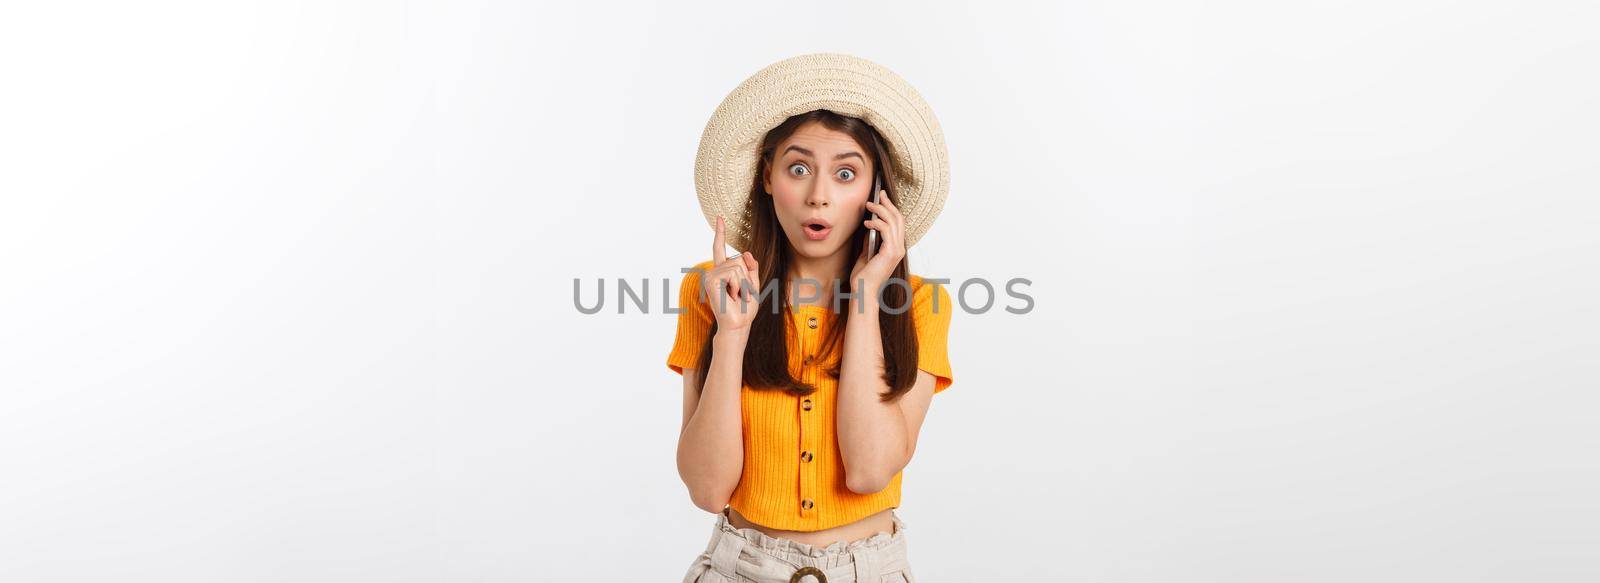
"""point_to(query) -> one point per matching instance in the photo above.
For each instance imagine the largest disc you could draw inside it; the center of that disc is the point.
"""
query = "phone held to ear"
(872, 234)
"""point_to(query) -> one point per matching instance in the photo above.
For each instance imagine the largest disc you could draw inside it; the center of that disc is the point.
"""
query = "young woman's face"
(819, 177)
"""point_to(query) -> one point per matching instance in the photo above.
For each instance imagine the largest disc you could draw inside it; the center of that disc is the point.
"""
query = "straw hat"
(725, 167)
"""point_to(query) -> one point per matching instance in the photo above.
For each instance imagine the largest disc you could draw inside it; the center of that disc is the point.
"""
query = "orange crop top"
(793, 477)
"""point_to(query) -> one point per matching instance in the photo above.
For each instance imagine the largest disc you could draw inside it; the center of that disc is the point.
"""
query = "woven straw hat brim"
(725, 166)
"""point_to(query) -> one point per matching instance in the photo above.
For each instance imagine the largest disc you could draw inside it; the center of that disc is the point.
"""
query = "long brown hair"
(766, 355)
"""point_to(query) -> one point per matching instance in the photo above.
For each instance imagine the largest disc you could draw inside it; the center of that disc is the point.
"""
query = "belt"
(865, 566)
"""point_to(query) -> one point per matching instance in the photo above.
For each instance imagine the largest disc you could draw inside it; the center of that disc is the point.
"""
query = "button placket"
(810, 421)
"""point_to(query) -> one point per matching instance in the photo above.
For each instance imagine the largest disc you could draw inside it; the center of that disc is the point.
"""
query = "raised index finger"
(719, 245)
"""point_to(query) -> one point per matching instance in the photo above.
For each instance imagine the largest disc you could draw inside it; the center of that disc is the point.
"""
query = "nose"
(818, 197)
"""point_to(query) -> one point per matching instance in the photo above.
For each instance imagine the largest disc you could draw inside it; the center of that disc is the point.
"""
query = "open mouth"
(816, 229)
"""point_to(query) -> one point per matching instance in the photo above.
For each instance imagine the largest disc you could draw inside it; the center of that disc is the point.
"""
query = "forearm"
(872, 433)
(711, 448)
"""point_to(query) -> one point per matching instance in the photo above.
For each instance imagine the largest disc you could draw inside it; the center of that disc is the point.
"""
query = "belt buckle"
(821, 578)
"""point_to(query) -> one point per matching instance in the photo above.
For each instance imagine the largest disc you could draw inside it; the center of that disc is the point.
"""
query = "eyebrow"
(809, 153)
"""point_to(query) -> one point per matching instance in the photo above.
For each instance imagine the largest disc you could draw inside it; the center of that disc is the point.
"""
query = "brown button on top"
(806, 404)
(808, 359)
(805, 456)
(812, 322)
(806, 504)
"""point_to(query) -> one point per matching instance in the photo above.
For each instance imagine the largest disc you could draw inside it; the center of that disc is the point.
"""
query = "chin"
(809, 249)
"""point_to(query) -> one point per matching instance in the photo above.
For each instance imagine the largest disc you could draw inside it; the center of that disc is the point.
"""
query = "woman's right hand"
(734, 306)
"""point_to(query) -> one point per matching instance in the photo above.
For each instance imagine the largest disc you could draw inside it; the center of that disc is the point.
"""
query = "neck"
(821, 271)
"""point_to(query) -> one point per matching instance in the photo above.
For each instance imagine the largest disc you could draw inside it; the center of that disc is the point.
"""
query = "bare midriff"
(873, 524)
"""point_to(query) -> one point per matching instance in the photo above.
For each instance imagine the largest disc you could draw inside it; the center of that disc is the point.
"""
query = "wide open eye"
(845, 174)
(801, 167)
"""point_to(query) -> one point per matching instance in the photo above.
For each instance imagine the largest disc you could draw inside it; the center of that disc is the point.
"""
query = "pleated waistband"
(760, 556)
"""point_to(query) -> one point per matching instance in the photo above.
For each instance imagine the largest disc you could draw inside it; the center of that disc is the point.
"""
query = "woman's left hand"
(890, 224)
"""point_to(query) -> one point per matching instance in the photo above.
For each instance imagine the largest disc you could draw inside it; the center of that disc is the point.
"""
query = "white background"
(286, 288)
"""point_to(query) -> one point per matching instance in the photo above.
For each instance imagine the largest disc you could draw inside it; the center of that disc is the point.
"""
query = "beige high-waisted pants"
(746, 555)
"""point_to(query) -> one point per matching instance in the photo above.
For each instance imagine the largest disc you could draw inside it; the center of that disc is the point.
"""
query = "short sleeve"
(931, 310)
(694, 322)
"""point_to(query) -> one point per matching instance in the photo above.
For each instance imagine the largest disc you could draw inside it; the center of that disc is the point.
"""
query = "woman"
(809, 360)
